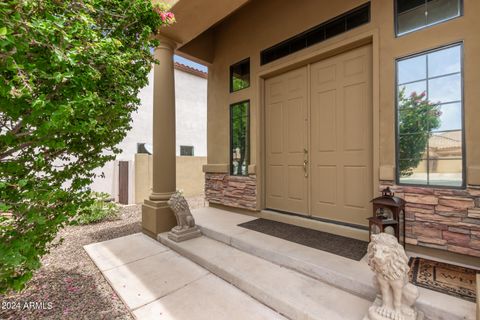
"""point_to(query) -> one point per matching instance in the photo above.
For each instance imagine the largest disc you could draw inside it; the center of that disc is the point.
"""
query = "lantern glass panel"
(402, 227)
(375, 229)
(386, 213)
(390, 230)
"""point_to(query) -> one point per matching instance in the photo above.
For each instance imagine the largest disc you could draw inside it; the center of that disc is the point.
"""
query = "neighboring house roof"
(446, 140)
(191, 70)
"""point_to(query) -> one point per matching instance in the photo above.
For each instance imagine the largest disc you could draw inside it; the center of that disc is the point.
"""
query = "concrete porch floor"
(295, 280)
(349, 275)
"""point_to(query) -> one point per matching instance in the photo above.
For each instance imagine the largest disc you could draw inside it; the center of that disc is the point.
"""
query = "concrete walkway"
(157, 283)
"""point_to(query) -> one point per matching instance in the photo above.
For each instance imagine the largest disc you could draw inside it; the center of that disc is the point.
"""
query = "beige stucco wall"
(261, 24)
(190, 178)
(446, 219)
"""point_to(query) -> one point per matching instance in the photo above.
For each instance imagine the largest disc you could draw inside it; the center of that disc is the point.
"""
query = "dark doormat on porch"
(443, 277)
(339, 245)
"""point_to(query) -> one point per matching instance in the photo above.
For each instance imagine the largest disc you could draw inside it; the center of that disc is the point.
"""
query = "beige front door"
(286, 140)
(331, 129)
(341, 137)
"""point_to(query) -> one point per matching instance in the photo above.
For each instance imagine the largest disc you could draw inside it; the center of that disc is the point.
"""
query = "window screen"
(186, 150)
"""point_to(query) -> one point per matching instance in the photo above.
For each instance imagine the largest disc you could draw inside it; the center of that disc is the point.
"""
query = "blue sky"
(187, 62)
(190, 63)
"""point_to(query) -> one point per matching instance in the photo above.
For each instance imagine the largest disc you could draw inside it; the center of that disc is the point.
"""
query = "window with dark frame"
(239, 138)
(186, 150)
(430, 134)
(412, 15)
(328, 29)
(240, 75)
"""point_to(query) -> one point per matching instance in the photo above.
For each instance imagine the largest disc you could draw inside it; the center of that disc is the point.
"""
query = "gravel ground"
(69, 285)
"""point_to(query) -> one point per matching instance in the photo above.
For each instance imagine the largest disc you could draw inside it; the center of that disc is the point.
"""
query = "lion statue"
(387, 258)
(185, 228)
(180, 208)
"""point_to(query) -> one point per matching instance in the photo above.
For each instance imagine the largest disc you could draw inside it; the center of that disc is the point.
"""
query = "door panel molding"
(343, 118)
(286, 138)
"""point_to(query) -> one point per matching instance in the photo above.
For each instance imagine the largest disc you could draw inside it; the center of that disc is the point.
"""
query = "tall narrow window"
(240, 75)
(430, 118)
(412, 15)
(239, 138)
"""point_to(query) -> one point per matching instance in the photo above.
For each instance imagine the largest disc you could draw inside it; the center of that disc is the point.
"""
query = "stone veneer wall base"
(232, 191)
(446, 219)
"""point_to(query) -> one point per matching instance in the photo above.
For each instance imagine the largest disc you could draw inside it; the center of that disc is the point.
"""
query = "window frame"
(395, 18)
(230, 164)
(230, 79)
(397, 133)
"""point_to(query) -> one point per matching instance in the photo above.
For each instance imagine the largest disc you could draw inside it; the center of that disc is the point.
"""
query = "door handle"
(305, 162)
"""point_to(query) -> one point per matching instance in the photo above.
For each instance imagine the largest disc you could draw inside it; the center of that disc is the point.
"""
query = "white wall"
(191, 112)
(191, 128)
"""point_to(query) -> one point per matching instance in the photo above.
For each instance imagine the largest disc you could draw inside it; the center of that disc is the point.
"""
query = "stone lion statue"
(387, 258)
(185, 228)
(180, 208)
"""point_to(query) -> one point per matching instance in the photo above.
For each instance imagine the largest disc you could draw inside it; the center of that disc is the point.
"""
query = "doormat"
(443, 277)
(339, 245)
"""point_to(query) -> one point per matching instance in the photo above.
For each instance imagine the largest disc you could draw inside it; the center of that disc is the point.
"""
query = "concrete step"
(288, 292)
(348, 275)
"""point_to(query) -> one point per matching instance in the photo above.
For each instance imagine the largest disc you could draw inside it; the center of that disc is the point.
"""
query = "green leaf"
(3, 31)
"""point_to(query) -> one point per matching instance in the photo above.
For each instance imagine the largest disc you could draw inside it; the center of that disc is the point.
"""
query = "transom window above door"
(412, 15)
(430, 137)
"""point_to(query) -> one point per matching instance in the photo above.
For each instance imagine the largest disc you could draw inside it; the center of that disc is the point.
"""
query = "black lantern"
(388, 216)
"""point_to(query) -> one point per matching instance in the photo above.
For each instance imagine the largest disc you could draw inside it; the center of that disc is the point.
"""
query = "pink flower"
(163, 16)
(170, 15)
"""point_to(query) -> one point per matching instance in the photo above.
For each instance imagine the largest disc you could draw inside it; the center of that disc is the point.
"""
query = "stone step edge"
(365, 290)
(289, 310)
(362, 289)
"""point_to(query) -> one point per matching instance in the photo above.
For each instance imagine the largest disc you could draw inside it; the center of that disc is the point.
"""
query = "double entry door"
(318, 130)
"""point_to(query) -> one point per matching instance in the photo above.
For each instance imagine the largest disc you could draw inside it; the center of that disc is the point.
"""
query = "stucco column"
(156, 214)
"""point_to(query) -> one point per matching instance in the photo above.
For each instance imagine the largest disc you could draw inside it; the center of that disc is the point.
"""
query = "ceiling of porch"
(196, 16)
